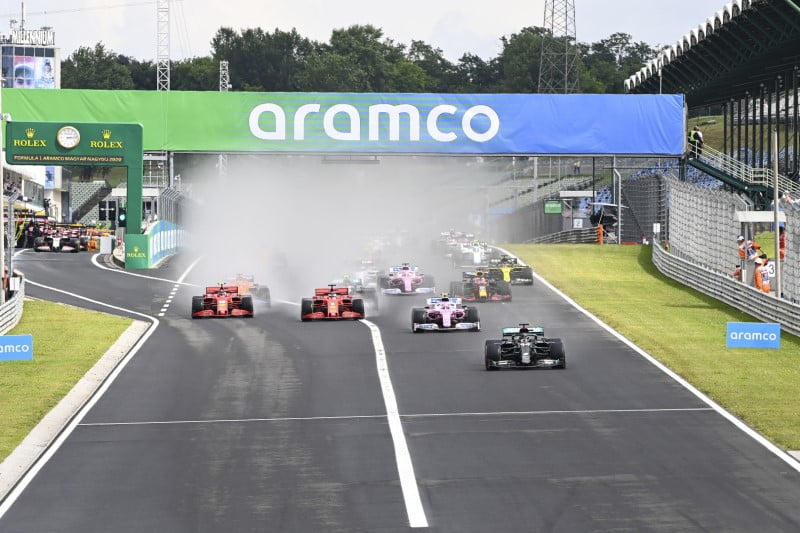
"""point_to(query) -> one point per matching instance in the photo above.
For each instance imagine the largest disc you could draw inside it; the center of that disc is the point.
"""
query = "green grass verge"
(680, 327)
(67, 341)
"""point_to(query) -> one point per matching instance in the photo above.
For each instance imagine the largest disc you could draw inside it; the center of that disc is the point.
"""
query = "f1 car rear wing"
(396, 269)
(227, 288)
(342, 291)
(508, 332)
(432, 301)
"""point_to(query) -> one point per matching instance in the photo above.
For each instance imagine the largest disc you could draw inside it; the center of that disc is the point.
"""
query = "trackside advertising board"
(137, 251)
(591, 124)
(753, 335)
(16, 347)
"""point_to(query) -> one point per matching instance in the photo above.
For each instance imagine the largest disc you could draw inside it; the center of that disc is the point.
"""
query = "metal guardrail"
(726, 289)
(11, 311)
(572, 236)
(745, 173)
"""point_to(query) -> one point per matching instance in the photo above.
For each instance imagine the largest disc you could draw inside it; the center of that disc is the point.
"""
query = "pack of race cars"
(486, 276)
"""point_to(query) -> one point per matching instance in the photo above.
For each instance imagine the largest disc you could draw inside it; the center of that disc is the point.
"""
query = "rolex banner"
(579, 124)
(137, 251)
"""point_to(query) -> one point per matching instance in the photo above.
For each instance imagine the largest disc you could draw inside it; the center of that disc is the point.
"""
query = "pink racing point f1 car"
(406, 279)
(445, 314)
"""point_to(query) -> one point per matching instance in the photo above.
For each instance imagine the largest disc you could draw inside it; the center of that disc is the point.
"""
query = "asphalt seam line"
(413, 415)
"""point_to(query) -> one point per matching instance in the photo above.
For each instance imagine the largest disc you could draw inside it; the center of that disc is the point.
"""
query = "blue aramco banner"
(380, 123)
(753, 335)
(16, 347)
(472, 124)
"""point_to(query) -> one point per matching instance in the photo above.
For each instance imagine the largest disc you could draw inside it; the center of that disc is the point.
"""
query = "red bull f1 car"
(480, 287)
(524, 347)
(331, 303)
(222, 301)
(445, 314)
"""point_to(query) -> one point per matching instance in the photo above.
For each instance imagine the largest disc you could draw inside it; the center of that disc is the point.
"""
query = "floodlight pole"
(775, 209)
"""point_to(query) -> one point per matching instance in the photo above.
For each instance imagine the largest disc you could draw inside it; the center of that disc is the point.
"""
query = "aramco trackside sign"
(389, 123)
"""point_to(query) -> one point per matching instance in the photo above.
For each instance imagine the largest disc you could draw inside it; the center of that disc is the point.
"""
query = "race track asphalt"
(271, 424)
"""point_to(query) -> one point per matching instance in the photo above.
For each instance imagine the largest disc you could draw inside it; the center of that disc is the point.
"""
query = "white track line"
(417, 415)
(557, 412)
(408, 481)
(26, 479)
(134, 274)
(163, 311)
(783, 455)
(48, 453)
(405, 468)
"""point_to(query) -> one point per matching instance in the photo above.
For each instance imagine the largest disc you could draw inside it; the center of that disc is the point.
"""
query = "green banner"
(73, 143)
(109, 144)
(137, 251)
(489, 124)
(552, 207)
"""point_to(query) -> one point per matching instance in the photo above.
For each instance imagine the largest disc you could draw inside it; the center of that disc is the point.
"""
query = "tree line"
(357, 59)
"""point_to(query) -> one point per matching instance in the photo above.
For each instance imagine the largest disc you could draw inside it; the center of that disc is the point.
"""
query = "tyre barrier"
(11, 310)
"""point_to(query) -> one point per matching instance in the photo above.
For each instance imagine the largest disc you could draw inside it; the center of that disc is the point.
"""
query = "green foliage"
(95, 68)
(519, 61)
(358, 59)
(196, 74)
(439, 72)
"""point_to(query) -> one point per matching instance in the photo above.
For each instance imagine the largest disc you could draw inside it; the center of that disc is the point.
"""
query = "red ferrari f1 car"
(332, 303)
(222, 301)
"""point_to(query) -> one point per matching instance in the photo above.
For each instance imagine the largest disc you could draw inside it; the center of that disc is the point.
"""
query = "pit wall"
(161, 240)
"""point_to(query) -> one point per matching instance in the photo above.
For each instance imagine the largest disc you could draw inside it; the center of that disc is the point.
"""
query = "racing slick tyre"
(528, 273)
(557, 352)
(247, 304)
(456, 288)
(383, 282)
(263, 295)
(306, 307)
(76, 245)
(37, 242)
(417, 317)
(197, 305)
(358, 307)
(491, 355)
(371, 295)
(473, 315)
(503, 289)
